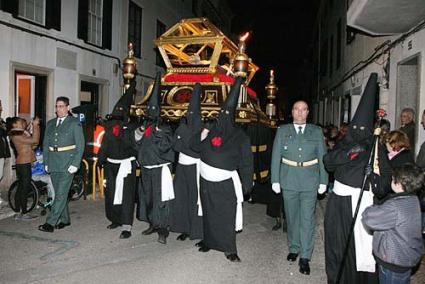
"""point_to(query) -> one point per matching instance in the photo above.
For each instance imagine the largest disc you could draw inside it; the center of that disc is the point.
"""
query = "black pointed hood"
(121, 109)
(226, 118)
(361, 126)
(193, 115)
(153, 109)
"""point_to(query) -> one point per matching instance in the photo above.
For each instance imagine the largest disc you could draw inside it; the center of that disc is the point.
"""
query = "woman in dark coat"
(398, 146)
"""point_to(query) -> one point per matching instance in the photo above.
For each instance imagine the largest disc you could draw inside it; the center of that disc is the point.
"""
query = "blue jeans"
(387, 276)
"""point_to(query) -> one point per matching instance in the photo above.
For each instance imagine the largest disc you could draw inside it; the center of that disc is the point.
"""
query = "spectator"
(420, 159)
(343, 129)
(4, 148)
(397, 239)
(407, 117)
(398, 148)
(22, 143)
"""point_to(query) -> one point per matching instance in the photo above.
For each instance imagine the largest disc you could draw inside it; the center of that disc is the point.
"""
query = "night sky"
(281, 35)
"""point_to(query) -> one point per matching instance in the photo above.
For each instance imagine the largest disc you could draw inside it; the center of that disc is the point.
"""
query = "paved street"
(87, 252)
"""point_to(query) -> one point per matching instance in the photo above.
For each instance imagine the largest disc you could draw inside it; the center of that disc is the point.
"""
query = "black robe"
(154, 149)
(184, 208)
(338, 215)
(118, 146)
(219, 198)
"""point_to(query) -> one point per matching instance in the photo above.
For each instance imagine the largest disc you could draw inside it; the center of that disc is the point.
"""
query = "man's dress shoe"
(202, 247)
(149, 230)
(292, 256)
(233, 257)
(182, 237)
(62, 225)
(162, 239)
(125, 234)
(304, 266)
(113, 226)
(46, 228)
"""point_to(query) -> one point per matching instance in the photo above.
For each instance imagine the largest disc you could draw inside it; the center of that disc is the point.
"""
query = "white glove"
(138, 133)
(204, 133)
(46, 169)
(322, 188)
(276, 187)
(72, 169)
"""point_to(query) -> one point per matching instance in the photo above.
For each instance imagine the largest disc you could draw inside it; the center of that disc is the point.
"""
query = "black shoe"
(113, 226)
(182, 237)
(304, 266)
(202, 247)
(233, 257)
(46, 228)
(62, 225)
(278, 224)
(125, 234)
(149, 230)
(292, 256)
(162, 239)
(199, 244)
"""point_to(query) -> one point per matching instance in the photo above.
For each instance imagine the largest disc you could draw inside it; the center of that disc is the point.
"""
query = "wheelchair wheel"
(32, 196)
(77, 188)
(45, 195)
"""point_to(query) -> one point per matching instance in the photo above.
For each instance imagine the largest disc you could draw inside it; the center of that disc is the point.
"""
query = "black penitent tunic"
(184, 208)
(117, 144)
(338, 215)
(218, 198)
(154, 149)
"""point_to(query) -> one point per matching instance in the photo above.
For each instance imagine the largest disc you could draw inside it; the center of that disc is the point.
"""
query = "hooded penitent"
(361, 126)
(222, 142)
(191, 126)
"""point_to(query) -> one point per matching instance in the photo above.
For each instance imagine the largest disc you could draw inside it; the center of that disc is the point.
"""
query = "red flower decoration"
(216, 141)
(148, 131)
(116, 130)
(381, 113)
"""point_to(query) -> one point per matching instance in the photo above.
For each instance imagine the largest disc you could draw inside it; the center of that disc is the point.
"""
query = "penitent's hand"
(276, 187)
(72, 169)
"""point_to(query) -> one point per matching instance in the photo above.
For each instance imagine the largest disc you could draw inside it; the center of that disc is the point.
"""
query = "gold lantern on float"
(241, 60)
(271, 90)
(129, 67)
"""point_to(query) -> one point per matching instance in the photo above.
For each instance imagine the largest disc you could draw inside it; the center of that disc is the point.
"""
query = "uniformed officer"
(297, 168)
(63, 148)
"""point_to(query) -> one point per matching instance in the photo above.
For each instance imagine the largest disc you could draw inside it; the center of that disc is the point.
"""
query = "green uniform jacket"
(299, 148)
(68, 133)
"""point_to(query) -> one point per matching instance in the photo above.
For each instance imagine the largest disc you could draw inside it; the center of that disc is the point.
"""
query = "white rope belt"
(62, 149)
(362, 239)
(167, 188)
(216, 175)
(299, 164)
(187, 161)
(123, 171)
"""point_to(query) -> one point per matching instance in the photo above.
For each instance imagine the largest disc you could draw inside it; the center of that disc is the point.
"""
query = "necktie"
(59, 122)
(300, 130)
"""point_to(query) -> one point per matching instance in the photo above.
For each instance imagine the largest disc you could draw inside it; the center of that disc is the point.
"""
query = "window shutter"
(83, 18)
(53, 14)
(107, 24)
(10, 6)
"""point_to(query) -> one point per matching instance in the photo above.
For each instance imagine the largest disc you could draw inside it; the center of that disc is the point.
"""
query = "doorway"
(408, 82)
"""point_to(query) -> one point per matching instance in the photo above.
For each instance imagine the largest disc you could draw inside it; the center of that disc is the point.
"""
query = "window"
(135, 28)
(45, 13)
(94, 28)
(95, 22)
(32, 10)
(160, 29)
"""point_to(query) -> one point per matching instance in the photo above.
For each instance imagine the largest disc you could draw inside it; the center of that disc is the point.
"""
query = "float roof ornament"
(197, 46)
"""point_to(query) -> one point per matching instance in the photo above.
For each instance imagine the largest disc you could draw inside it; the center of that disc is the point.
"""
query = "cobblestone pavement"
(86, 252)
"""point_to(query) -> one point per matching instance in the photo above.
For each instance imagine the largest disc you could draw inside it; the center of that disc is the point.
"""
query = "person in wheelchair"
(23, 142)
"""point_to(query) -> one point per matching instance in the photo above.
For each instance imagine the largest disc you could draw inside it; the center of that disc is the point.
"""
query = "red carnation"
(116, 130)
(381, 113)
(148, 131)
(216, 141)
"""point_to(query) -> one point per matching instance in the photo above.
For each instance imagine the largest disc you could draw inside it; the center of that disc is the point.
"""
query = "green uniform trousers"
(300, 217)
(59, 212)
